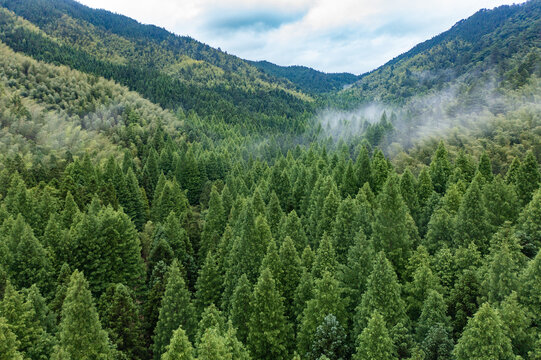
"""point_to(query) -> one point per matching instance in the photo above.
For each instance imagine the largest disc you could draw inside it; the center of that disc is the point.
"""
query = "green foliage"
(179, 348)
(375, 342)
(485, 337)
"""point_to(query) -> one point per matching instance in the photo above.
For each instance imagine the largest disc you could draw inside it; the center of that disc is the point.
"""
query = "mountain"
(307, 79)
(173, 71)
(500, 45)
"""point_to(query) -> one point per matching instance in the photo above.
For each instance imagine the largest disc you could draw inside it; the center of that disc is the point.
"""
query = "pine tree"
(213, 346)
(120, 318)
(440, 168)
(391, 225)
(70, 211)
(325, 258)
(512, 173)
(433, 313)
(438, 344)
(463, 300)
(80, 333)
(357, 269)
(241, 310)
(379, 170)
(8, 343)
(151, 307)
(176, 310)
(151, 172)
(423, 281)
(505, 262)
(328, 213)
(501, 202)
(345, 227)
(209, 284)
(472, 220)
(528, 178)
(408, 190)
(303, 293)
(484, 337)
(215, 221)
(327, 299)
(485, 167)
(349, 184)
(135, 206)
(529, 226)
(518, 323)
(106, 247)
(293, 228)
(362, 167)
(289, 277)
(272, 262)
(274, 214)
(382, 295)
(269, 333)
(440, 231)
(329, 340)
(530, 287)
(211, 317)
(179, 348)
(374, 343)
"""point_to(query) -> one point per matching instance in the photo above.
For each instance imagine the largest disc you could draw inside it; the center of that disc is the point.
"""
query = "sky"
(328, 35)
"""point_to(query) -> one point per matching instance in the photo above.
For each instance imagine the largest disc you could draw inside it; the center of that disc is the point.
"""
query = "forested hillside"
(149, 211)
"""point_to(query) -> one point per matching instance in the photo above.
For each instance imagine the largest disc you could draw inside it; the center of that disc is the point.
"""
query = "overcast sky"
(329, 35)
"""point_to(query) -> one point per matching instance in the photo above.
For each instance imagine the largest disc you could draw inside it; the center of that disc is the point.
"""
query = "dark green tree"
(375, 343)
(440, 168)
(330, 340)
(209, 284)
(241, 310)
(529, 226)
(528, 178)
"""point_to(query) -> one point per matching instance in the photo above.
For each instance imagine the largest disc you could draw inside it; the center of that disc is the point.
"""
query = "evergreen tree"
(357, 269)
(529, 226)
(80, 333)
(269, 333)
(151, 172)
(179, 348)
(151, 307)
(176, 310)
(345, 227)
(423, 281)
(303, 293)
(438, 344)
(382, 294)
(512, 173)
(329, 340)
(472, 220)
(272, 262)
(530, 287)
(274, 214)
(408, 190)
(485, 167)
(374, 343)
(391, 225)
(211, 317)
(327, 299)
(440, 231)
(379, 170)
(241, 310)
(517, 321)
(209, 284)
(293, 228)
(440, 168)
(484, 337)
(328, 213)
(325, 258)
(363, 167)
(349, 184)
(70, 211)
(433, 313)
(134, 202)
(528, 178)
(501, 202)
(213, 346)
(214, 227)
(289, 276)
(8, 343)
(120, 318)
(463, 300)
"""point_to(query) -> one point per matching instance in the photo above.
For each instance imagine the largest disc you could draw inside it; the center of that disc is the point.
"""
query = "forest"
(161, 199)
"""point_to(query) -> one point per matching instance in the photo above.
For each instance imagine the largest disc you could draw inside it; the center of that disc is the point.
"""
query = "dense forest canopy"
(161, 199)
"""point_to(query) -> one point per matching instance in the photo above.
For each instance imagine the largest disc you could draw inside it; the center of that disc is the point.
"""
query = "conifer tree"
(440, 168)
(463, 300)
(512, 173)
(439, 231)
(528, 178)
(151, 173)
(293, 228)
(382, 294)
(8, 343)
(269, 335)
(438, 344)
(349, 184)
(328, 213)
(485, 167)
(379, 170)
(329, 340)
(518, 323)
(325, 259)
(80, 333)
(210, 317)
(362, 167)
(209, 284)
(151, 307)
(484, 337)
(357, 269)
(529, 226)
(120, 318)
(408, 190)
(327, 299)
(134, 201)
(501, 202)
(176, 310)
(274, 214)
(289, 276)
(241, 310)
(391, 226)
(433, 313)
(179, 348)
(345, 228)
(303, 293)
(213, 346)
(70, 211)
(472, 221)
(530, 287)
(374, 343)
(423, 281)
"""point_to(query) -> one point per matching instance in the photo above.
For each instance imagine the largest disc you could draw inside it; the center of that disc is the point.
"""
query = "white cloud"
(329, 35)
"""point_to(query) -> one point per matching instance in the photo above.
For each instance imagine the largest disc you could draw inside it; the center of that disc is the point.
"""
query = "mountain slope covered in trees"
(149, 211)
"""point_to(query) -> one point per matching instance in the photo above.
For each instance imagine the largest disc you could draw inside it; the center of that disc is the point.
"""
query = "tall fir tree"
(179, 348)
(440, 168)
(80, 333)
(529, 227)
(345, 228)
(485, 337)
(176, 310)
(241, 310)
(528, 178)
(8, 343)
(375, 343)
(269, 335)
(209, 284)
